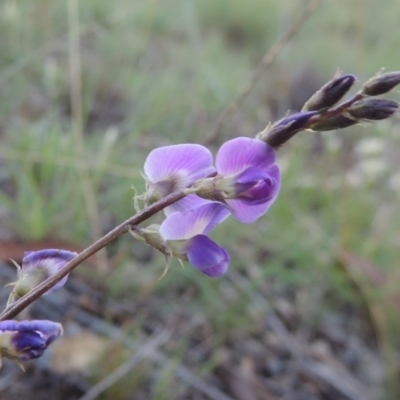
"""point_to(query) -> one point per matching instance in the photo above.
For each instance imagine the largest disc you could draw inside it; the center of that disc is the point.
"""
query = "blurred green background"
(154, 73)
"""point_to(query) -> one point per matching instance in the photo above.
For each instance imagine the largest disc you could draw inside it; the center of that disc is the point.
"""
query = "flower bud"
(336, 122)
(330, 93)
(381, 84)
(26, 340)
(281, 131)
(373, 109)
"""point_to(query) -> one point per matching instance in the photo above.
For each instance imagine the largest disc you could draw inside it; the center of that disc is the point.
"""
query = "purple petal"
(236, 155)
(29, 339)
(183, 162)
(48, 328)
(258, 199)
(23, 340)
(298, 120)
(249, 178)
(206, 256)
(50, 261)
(186, 204)
(201, 220)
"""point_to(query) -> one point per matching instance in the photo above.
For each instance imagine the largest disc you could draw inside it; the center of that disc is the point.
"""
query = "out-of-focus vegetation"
(161, 72)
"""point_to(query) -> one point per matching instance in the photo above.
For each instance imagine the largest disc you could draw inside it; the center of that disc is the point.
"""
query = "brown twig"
(118, 231)
(267, 60)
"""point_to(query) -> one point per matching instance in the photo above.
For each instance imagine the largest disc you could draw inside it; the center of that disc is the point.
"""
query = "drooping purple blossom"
(37, 266)
(175, 167)
(248, 177)
(26, 340)
(186, 236)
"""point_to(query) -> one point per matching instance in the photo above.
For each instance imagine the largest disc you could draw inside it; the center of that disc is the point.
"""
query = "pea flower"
(185, 234)
(36, 267)
(175, 167)
(248, 179)
(26, 340)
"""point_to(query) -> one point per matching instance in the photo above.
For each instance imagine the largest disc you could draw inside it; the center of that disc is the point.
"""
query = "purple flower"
(26, 340)
(248, 177)
(175, 167)
(186, 236)
(36, 267)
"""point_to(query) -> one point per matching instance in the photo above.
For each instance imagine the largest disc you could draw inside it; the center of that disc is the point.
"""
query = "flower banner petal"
(240, 153)
(184, 162)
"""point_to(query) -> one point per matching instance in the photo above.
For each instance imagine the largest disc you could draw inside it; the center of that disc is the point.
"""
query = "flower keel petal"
(206, 256)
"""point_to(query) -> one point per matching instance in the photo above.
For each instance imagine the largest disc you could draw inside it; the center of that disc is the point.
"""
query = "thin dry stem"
(77, 118)
(267, 60)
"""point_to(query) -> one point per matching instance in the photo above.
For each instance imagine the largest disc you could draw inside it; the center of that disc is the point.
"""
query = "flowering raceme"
(186, 236)
(26, 340)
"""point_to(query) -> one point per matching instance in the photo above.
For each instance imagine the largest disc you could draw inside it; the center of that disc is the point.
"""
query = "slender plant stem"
(118, 231)
(86, 183)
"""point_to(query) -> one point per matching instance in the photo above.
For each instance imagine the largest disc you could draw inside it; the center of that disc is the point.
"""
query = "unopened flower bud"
(281, 131)
(333, 123)
(381, 84)
(330, 93)
(373, 109)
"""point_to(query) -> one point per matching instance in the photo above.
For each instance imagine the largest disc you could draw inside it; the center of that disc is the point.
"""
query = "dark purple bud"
(282, 130)
(381, 84)
(330, 93)
(330, 124)
(373, 109)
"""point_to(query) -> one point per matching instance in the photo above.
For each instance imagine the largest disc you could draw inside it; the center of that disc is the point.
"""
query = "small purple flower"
(248, 177)
(36, 267)
(186, 236)
(26, 340)
(175, 167)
